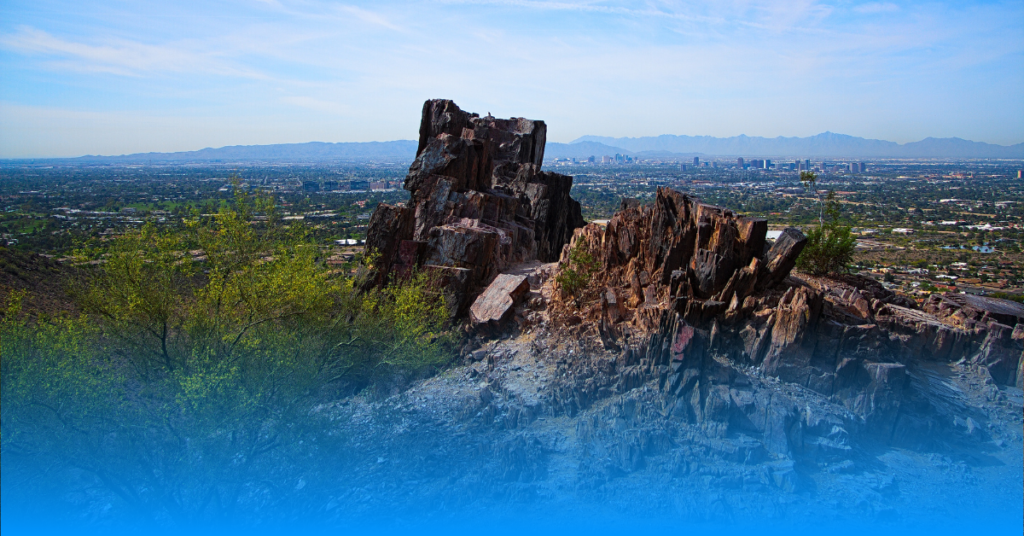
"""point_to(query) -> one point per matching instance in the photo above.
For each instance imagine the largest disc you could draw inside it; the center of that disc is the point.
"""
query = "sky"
(118, 77)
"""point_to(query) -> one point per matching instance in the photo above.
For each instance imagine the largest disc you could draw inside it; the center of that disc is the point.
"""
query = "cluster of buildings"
(352, 186)
(798, 165)
(918, 282)
(617, 159)
(741, 164)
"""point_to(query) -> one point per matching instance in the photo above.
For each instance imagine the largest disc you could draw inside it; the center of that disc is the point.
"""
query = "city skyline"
(109, 78)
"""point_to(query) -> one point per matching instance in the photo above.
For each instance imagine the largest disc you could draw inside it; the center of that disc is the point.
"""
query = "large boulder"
(496, 304)
(781, 258)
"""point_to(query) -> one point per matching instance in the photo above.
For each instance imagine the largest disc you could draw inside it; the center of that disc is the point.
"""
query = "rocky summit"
(698, 304)
(694, 359)
(479, 204)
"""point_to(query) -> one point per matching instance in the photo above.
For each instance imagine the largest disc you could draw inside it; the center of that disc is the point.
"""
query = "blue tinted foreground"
(528, 523)
(940, 511)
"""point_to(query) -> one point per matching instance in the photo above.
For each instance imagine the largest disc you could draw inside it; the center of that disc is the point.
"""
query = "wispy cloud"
(369, 17)
(764, 14)
(876, 7)
(121, 57)
(589, 67)
(317, 105)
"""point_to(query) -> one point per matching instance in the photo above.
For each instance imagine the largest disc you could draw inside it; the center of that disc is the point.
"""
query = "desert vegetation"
(193, 380)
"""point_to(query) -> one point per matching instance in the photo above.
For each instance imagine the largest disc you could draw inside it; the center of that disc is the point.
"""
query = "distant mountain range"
(828, 144)
(314, 151)
(581, 150)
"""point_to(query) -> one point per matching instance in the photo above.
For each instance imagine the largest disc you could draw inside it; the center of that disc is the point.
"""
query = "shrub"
(1019, 298)
(829, 250)
(830, 246)
(574, 277)
(400, 328)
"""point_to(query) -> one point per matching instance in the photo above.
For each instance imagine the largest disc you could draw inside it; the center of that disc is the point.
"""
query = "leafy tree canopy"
(190, 387)
(830, 246)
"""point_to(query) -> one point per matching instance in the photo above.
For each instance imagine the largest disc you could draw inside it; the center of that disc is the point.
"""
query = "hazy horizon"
(107, 78)
(583, 140)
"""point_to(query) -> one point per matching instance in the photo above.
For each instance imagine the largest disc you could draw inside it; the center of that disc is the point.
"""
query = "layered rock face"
(695, 354)
(694, 323)
(687, 254)
(994, 328)
(479, 203)
(691, 296)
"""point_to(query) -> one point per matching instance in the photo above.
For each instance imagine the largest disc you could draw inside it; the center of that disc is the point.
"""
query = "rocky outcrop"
(515, 140)
(968, 311)
(996, 326)
(694, 327)
(713, 314)
(695, 355)
(479, 203)
(698, 259)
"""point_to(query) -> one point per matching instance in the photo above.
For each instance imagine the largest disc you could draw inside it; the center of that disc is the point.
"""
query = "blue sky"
(84, 77)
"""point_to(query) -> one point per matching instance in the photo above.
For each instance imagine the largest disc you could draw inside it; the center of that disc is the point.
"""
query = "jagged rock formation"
(995, 329)
(699, 257)
(691, 296)
(479, 203)
(697, 353)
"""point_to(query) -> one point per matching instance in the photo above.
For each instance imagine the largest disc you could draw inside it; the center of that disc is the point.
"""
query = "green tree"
(830, 246)
(400, 329)
(191, 387)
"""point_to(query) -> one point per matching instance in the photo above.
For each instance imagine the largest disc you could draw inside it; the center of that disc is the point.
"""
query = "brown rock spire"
(479, 203)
